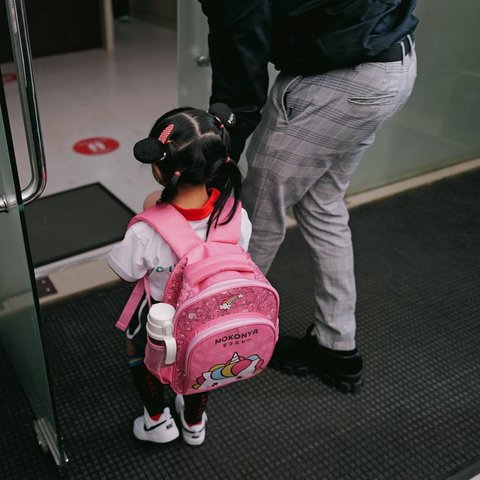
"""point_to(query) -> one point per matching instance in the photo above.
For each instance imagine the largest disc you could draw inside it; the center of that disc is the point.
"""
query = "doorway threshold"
(72, 276)
(361, 198)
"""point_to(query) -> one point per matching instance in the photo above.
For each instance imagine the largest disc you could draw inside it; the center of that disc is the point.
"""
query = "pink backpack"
(226, 320)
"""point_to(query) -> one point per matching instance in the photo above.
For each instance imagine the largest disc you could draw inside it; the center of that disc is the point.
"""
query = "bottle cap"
(160, 321)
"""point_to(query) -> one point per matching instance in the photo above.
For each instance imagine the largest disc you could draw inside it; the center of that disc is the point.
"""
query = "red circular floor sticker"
(9, 77)
(96, 146)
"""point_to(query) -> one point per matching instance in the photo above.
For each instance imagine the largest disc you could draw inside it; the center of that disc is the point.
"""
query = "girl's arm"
(245, 231)
(127, 258)
(151, 199)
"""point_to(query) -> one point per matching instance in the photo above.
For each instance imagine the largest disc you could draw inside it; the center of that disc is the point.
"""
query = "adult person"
(346, 66)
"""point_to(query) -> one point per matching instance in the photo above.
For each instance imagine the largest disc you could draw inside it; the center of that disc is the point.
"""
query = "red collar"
(203, 212)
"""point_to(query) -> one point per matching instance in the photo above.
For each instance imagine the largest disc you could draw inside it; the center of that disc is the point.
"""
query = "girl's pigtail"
(228, 180)
(171, 188)
(168, 169)
(226, 175)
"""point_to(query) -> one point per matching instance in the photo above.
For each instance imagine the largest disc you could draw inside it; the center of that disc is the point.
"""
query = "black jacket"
(301, 37)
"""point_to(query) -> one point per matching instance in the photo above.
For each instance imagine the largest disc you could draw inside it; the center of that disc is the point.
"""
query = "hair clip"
(177, 173)
(166, 132)
(223, 114)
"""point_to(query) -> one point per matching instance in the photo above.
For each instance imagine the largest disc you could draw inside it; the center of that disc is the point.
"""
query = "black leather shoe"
(301, 356)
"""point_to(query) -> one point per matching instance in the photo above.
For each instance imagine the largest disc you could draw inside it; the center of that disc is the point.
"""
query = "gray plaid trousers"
(313, 134)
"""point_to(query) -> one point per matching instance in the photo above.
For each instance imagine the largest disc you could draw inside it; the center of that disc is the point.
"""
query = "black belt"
(395, 53)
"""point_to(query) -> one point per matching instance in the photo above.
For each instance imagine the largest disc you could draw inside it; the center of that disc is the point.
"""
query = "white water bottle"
(160, 329)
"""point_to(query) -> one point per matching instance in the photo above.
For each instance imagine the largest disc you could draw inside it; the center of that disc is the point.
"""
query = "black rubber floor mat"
(417, 418)
(73, 222)
(21, 456)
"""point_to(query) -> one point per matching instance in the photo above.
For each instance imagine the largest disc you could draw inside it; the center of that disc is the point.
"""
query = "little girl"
(188, 151)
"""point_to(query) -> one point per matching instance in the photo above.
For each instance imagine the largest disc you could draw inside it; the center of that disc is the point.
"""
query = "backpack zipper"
(222, 286)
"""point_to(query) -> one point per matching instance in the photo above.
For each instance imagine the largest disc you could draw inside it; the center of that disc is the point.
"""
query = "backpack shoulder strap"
(142, 288)
(230, 232)
(172, 226)
(179, 235)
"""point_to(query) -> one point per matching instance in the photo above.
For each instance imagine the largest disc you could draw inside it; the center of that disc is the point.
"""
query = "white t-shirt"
(144, 251)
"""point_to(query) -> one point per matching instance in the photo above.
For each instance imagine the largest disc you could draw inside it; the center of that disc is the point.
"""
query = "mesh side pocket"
(154, 355)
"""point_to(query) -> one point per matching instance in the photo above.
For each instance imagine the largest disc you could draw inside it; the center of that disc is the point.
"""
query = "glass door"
(20, 328)
(193, 60)
(20, 321)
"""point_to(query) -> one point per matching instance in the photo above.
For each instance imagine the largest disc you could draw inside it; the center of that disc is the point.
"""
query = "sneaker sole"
(344, 384)
(193, 442)
(146, 438)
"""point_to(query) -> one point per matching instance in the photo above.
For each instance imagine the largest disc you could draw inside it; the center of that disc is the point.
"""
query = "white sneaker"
(163, 430)
(192, 434)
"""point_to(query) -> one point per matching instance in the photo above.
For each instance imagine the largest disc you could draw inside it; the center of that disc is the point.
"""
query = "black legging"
(150, 390)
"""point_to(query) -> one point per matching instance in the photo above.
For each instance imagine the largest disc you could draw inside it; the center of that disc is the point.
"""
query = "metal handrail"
(17, 22)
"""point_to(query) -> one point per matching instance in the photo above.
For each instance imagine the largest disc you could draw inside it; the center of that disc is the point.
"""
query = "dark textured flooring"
(417, 418)
(73, 222)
